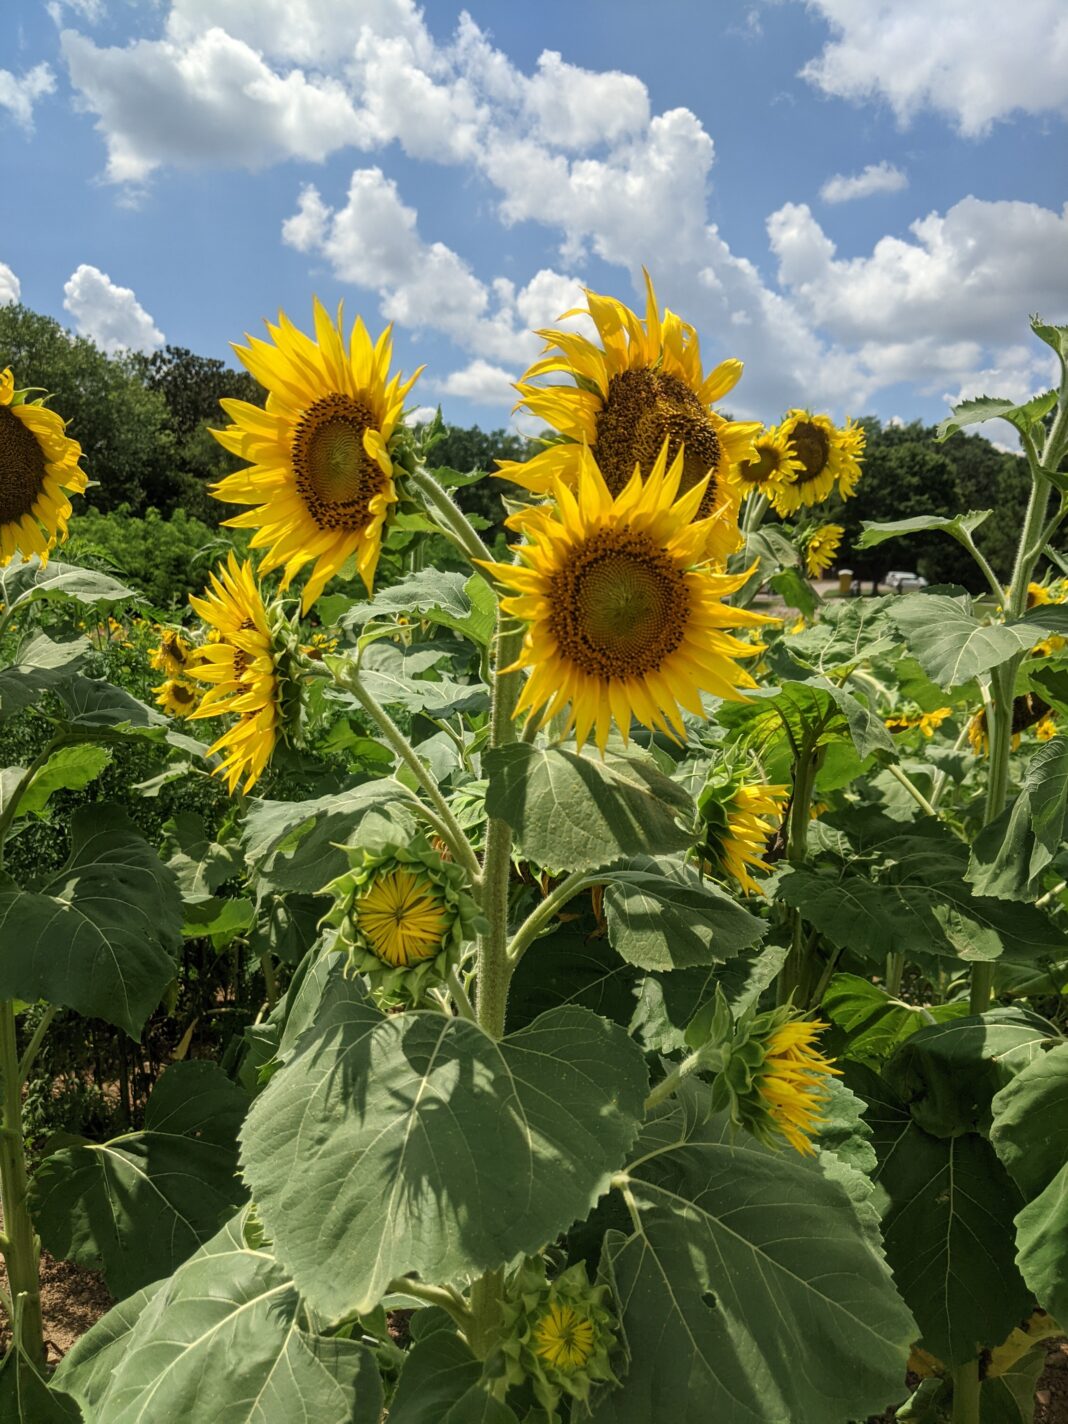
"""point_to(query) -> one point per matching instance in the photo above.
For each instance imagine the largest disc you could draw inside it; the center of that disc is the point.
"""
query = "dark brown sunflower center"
(182, 694)
(22, 468)
(620, 606)
(762, 468)
(812, 448)
(643, 409)
(334, 474)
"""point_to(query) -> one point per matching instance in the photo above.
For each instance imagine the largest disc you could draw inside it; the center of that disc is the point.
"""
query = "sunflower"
(624, 619)
(772, 465)
(927, 722)
(321, 476)
(38, 469)
(1046, 729)
(741, 819)
(643, 384)
(829, 456)
(241, 666)
(792, 1081)
(557, 1336)
(402, 917)
(177, 697)
(172, 654)
(821, 548)
(564, 1338)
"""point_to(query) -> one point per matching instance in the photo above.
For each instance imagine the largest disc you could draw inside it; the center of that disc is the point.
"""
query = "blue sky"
(862, 199)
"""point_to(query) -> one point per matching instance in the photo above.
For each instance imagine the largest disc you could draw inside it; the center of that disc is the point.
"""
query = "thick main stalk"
(21, 1248)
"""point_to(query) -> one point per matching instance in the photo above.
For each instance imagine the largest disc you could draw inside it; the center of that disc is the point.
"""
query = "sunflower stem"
(914, 791)
(450, 516)
(670, 1084)
(442, 1296)
(793, 982)
(540, 916)
(966, 1387)
(23, 1248)
(450, 830)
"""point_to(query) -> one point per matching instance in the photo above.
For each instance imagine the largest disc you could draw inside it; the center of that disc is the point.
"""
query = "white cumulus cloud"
(18, 95)
(10, 286)
(480, 382)
(976, 61)
(881, 177)
(111, 315)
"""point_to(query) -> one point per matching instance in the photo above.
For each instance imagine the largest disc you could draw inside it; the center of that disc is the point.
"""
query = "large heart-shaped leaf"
(138, 1206)
(418, 1143)
(664, 915)
(40, 666)
(751, 1292)
(573, 811)
(221, 1340)
(461, 602)
(1012, 852)
(950, 643)
(101, 934)
(22, 583)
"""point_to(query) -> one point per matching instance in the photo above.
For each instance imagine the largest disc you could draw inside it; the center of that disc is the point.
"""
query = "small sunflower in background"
(740, 816)
(38, 470)
(1047, 728)
(641, 385)
(402, 914)
(174, 657)
(927, 722)
(829, 456)
(772, 465)
(624, 618)
(177, 697)
(251, 662)
(321, 478)
(821, 548)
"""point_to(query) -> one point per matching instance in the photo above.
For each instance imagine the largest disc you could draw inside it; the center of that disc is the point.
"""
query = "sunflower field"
(655, 969)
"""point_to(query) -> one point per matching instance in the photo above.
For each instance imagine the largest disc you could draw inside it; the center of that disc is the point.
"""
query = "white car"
(903, 581)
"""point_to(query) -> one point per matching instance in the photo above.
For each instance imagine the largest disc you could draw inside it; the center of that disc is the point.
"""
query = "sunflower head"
(403, 915)
(912, 718)
(172, 653)
(625, 617)
(559, 1335)
(177, 696)
(39, 469)
(770, 1076)
(1046, 728)
(320, 478)
(739, 815)
(641, 383)
(771, 466)
(251, 661)
(829, 457)
(821, 547)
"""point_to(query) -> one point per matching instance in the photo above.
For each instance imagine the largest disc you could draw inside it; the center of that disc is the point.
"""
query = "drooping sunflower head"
(641, 384)
(177, 696)
(38, 470)
(558, 1334)
(772, 465)
(625, 618)
(251, 661)
(403, 915)
(821, 546)
(792, 1081)
(320, 479)
(739, 814)
(829, 456)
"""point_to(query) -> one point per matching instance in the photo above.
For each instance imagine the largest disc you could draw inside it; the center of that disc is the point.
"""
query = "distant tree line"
(143, 423)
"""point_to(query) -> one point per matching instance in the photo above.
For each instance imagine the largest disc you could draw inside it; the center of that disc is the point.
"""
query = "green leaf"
(1055, 336)
(287, 925)
(138, 1206)
(438, 1370)
(849, 632)
(101, 934)
(464, 603)
(949, 643)
(908, 888)
(813, 711)
(948, 1073)
(293, 844)
(1030, 1135)
(23, 583)
(664, 915)
(960, 526)
(579, 812)
(220, 1340)
(41, 666)
(367, 1152)
(976, 412)
(947, 1230)
(200, 864)
(570, 967)
(746, 1267)
(1010, 854)
(1009, 1397)
(25, 1397)
(795, 591)
(871, 1023)
(67, 769)
(218, 919)
(667, 1002)
(91, 703)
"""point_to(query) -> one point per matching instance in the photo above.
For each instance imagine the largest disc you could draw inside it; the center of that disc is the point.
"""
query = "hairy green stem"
(27, 1060)
(459, 995)
(966, 1393)
(1050, 895)
(450, 829)
(440, 1296)
(451, 518)
(914, 791)
(668, 1085)
(895, 972)
(23, 1251)
(793, 982)
(540, 916)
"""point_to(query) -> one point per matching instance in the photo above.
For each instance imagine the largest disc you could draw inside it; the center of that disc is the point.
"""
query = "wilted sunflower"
(38, 468)
(241, 666)
(829, 456)
(643, 384)
(821, 548)
(792, 1081)
(321, 476)
(625, 619)
(772, 465)
(741, 818)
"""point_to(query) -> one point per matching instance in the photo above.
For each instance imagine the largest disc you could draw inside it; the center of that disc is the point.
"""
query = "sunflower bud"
(558, 1334)
(403, 915)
